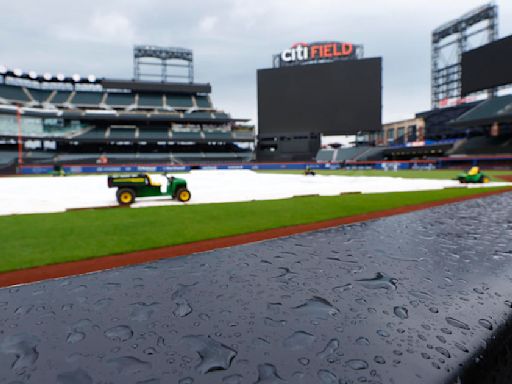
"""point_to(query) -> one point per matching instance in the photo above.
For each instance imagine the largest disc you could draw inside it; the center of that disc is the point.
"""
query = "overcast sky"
(231, 39)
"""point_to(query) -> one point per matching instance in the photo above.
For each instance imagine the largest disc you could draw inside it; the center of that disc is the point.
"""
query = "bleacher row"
(360, 153)
(162, 134)
(91, 99)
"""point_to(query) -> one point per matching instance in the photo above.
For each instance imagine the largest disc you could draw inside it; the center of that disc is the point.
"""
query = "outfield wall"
(488, 162)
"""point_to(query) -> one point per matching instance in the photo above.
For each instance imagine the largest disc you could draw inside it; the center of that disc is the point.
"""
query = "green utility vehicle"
(145, 185)
(473, 176)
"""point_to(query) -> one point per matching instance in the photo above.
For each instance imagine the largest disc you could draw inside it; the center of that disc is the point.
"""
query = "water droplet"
(299, 340)
(267, 374)
(274, 323)
(119, 333)
(362, 341)
(75, 337)
(461, 347)
(357, 364)
(342, 288)
(304, 361)
(401, 312)
(78, 376)
(485, 323)
(443, 352)
(142, 311)
(327, 377)
(380, 281)
(24, 347)
(129, 364)
(330, 349)
(150, 351)
(102, 304)
(214, 355)
(457, 323)
(186, 380)
(182, 308)
(379, 360)
(382, 333)
(318, 307)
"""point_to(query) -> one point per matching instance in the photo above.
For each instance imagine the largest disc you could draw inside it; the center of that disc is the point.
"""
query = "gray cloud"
(231, 39)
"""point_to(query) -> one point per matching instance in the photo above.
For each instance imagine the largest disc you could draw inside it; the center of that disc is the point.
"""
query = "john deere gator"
(145, 185)
(473, 176)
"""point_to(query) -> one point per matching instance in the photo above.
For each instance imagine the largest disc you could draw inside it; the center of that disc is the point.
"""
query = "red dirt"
(505, 178)
(31, 275)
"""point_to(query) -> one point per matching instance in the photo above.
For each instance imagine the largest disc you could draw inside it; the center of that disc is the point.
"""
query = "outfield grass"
(39, 239)
(409, 174)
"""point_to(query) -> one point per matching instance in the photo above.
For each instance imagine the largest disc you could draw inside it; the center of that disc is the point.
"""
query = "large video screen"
(339, 98)
(487, 67)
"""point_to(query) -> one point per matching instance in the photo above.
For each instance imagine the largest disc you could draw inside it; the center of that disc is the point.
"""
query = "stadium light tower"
(450, 41)
(171, 63)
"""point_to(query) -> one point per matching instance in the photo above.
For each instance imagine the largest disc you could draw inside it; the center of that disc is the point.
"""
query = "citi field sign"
(303, 52)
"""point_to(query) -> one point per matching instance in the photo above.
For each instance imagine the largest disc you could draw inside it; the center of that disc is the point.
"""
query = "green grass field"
(33, 240)
(409, 174)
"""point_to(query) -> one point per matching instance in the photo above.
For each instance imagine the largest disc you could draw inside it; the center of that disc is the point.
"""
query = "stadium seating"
(147, 122)
(325, 155)
(217, 135)
(198, 115)
(61, 97)
(122, 134)
(40, 95)
(8, 157)
(153, 134)
(10, 92)
(94, 134)
(87, 98)
(371, 153)
(179, 101)
(186, 135)
(345, 154)
(150, 101)
(483, 145)
(120, 100)
(203, 102)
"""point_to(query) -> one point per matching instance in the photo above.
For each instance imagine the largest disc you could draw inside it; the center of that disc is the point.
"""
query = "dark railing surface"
(423, 297)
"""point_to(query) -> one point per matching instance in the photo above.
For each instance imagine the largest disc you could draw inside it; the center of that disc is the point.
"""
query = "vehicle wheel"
(462, 180)
(125, 196)
(183, 195)
(486, 180)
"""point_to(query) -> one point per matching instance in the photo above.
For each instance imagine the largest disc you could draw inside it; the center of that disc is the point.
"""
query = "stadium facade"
(86, 120)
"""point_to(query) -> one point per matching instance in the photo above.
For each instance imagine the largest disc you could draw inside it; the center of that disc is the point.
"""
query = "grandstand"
(77, 120)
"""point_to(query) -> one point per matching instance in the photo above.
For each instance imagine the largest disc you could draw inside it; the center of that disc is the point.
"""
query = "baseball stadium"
(148, 235)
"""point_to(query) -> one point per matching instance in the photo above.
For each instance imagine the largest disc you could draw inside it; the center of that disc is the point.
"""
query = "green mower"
(145, 185)
(473, 176)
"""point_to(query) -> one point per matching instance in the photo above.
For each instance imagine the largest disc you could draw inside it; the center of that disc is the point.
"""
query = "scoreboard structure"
(313, 90)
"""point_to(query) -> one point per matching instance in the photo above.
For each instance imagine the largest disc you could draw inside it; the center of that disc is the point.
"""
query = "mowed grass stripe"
(34, 240)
